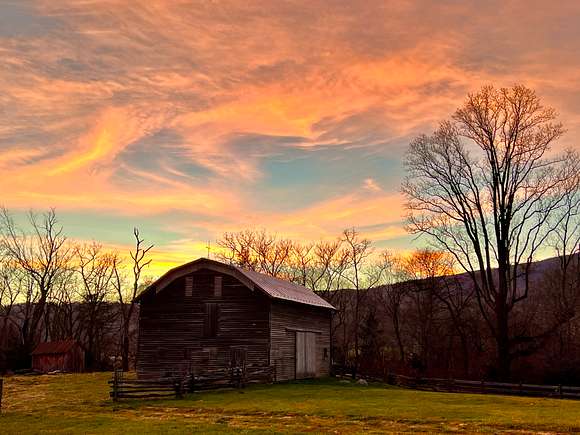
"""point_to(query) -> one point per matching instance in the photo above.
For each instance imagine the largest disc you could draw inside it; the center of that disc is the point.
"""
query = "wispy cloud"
(221, 115)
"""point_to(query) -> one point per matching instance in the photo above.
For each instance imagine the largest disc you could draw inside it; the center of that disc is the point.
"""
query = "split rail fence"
(177, 386)
(483, 387)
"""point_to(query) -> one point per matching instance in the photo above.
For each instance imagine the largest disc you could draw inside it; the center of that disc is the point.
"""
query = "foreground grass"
(80, 404)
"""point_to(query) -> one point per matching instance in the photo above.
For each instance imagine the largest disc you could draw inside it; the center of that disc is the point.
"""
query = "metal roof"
(276, 288)
(285, 290)
(52, 347)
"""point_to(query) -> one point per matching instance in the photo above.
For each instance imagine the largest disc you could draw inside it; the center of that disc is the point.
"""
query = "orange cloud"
(217, 116)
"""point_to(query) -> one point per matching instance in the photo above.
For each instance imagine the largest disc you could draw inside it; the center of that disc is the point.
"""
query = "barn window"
(217, 286)
(188, 286)
(325, 353)
(211, 319)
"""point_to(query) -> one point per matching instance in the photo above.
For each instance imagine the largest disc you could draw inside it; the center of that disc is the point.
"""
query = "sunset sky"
(188, 119)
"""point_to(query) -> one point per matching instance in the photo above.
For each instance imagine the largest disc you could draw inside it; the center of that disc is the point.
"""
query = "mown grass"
(80, 404)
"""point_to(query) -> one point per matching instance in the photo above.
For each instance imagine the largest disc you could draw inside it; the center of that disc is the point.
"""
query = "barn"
(206, 316)
(64, 356)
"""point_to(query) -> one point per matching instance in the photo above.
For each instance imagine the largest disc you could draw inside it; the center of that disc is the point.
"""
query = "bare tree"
(259, 251)
(566, 236)
(43, 255)
(97, 278)
(485, 189)
(362, 275)
(391, 298)
(329, 264)
(238, 248)
(301, 265)
(272, 254)
(62, 321)
(10, 289)
(126, 300)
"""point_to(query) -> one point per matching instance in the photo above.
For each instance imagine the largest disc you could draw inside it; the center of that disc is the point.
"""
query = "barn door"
(305, 355)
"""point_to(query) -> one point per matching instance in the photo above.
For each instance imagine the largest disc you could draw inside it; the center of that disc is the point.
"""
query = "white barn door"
(305, 355)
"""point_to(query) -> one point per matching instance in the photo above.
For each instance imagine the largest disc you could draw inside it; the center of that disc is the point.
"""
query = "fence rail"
(237, 377)
(465, 386)
(122, 388)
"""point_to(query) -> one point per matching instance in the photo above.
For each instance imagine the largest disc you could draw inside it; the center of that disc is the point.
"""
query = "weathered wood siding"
(171, 326)
(72, 361)
(286, 319)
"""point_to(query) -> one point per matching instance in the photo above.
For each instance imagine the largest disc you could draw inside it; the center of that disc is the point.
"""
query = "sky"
(189, 119)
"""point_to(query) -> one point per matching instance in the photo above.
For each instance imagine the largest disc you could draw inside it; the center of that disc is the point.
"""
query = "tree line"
(52, 288)
(417, 313)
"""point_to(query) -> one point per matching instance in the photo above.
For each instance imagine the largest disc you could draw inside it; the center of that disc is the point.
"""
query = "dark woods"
(52, 289)
(414, 314)
(409, 314)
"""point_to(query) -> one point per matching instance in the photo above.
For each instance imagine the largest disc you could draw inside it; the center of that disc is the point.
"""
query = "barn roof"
(273, 287)
(54, 347)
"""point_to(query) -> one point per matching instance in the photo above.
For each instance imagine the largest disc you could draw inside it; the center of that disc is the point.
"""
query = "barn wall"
(76, 360)
(286, 318)
(171, 327)
(70, 361)
(49, 362)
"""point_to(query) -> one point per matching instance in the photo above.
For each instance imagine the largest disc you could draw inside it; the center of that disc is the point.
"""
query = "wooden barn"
(207, 316)
(64, 356)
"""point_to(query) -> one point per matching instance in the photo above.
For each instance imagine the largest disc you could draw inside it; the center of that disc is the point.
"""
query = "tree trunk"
(397, 328)
(356, 334)
(502, 341)
(125, 347)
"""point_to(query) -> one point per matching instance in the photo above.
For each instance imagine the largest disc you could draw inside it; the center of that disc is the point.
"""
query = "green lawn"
(80, 404)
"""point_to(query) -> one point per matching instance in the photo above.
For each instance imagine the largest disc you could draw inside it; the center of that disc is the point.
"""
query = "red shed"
(65, 356)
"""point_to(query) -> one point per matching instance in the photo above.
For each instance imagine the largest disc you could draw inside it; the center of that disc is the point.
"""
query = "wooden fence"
(123, 388)
(483, 387)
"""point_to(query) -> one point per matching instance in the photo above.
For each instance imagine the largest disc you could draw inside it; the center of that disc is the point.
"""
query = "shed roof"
(275, 288)
(54, 347)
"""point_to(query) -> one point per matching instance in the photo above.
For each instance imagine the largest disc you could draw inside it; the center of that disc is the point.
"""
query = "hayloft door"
(305, 355)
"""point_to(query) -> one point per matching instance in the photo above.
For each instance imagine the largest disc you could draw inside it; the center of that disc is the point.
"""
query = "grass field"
(80, 404)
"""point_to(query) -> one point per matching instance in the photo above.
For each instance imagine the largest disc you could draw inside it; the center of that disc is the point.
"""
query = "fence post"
(190, 383)
(116, 379)
(178, 386)
(1, 389)
(559, 391)
(482, 386)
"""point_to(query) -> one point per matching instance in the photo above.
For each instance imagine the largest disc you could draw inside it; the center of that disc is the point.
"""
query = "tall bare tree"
(485, 188)
(126, 298)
